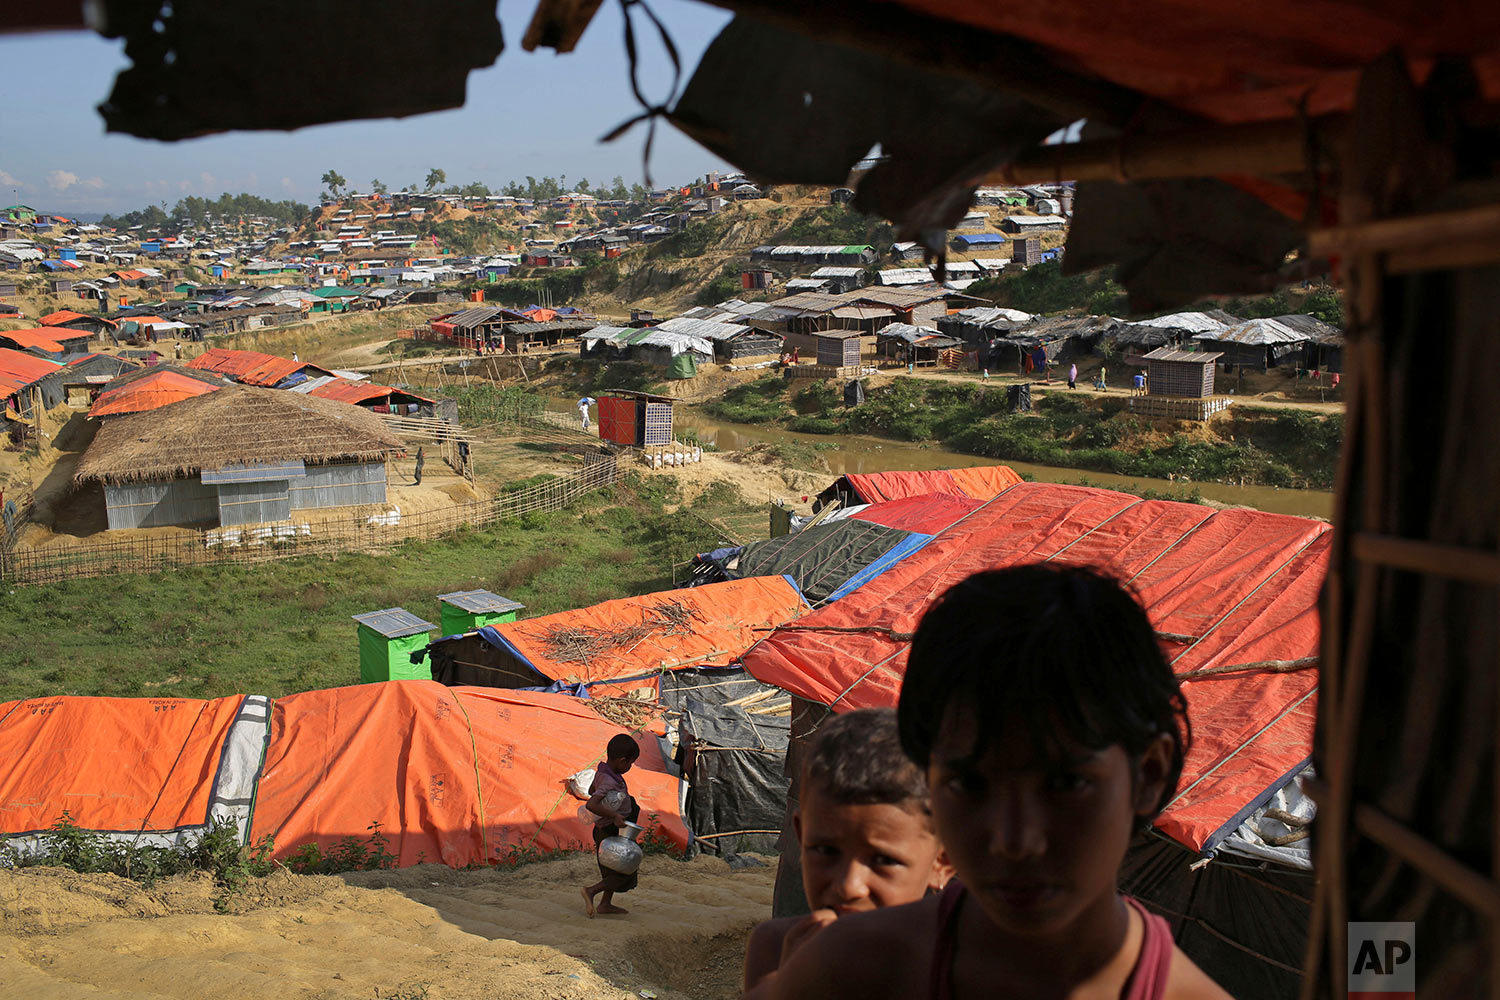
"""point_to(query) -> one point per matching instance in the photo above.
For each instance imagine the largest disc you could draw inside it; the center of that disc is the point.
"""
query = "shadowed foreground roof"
(236, 425)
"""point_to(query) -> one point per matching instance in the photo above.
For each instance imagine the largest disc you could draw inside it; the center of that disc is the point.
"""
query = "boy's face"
(621, 764)
(1038, 841)
(862, 857)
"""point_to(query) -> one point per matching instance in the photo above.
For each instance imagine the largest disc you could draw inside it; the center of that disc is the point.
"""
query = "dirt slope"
(493, 934)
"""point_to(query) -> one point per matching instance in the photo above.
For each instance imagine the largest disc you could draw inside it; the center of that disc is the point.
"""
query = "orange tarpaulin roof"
(1242, 584)
(981, 483)
(454, 776)
(32, 339)
(724, 618)
(250, 367)
(457, 775)
(125, 764)
(149, 393)
(67, 316)
(17, 368)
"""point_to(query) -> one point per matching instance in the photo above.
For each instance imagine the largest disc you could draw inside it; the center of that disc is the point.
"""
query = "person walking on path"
(417, 477)
(1073, 376)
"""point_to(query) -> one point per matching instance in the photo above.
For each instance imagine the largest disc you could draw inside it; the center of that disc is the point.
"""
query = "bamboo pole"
(1275, 147)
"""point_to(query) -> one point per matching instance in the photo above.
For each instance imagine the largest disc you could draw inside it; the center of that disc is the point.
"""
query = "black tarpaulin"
(1243, 923)
(735, 763)
(821, 559)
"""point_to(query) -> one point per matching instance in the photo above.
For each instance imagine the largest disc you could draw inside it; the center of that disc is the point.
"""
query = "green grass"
(282, 627)
(1286, 448)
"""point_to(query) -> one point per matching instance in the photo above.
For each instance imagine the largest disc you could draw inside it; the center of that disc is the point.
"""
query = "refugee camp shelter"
(622, 645)
(467, 610)
(452, 776)
(1255, 343)
(149, 389)
(240, 455)
(1180, 373)
(387, 638)
(839, 348)
(635, 419)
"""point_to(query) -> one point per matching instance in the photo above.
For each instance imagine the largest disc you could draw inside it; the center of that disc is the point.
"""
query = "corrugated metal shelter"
(237, 456)
(1255, 343)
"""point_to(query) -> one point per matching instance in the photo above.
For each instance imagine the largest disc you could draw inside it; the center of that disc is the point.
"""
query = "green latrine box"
(386, 641)
(467, 610)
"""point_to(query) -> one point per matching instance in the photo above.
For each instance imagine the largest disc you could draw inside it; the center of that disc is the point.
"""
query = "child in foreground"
(864, 825)
(1051, 731)
(613, 812)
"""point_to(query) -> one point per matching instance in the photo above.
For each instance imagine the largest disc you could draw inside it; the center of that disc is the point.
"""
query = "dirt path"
(493, 934)
(1264, 400)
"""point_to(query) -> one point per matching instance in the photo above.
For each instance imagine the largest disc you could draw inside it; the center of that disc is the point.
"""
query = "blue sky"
(531, 113)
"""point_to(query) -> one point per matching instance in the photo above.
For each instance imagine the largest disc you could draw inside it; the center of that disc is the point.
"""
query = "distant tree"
(435, 177)
(617, 189)
(334, 181)
(637, 191)
(378, 187)
(514, 189)
(582, 187)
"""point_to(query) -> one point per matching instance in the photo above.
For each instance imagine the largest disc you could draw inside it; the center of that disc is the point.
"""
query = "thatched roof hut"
(237, 425)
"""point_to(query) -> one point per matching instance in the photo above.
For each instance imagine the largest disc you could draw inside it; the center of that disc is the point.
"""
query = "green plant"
(350, 854)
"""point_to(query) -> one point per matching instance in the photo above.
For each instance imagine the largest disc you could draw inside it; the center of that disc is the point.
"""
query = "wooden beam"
(1262, 148)
(1450, 561)
(930, 43)
(1456, 878)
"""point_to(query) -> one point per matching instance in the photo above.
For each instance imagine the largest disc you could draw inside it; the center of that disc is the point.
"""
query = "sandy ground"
(493, 934)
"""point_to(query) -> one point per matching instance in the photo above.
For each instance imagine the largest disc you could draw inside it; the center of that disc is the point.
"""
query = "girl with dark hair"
(1052, 731)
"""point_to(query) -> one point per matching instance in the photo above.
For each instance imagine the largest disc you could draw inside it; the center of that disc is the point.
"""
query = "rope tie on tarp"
(650, 112)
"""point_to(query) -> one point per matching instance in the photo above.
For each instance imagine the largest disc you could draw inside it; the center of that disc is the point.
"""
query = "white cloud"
(208, 180)
(8, 180)
(61, 180)
(94, 183)
(184, 185)
(286, 182)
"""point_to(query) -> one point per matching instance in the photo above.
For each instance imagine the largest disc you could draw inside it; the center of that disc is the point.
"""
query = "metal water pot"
(621, 853)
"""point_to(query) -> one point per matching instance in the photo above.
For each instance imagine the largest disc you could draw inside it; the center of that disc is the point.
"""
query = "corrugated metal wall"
(254, 503)
(152, 505)
(339, 485)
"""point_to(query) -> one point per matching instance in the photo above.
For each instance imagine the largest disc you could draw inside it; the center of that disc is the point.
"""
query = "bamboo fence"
(263, 543)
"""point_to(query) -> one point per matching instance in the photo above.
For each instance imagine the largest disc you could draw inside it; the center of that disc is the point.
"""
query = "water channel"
(856, 453)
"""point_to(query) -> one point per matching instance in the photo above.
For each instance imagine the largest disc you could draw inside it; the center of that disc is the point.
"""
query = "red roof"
(142, 320)
(251, 367)
(17, 368)
(148, 393)
(1241, 586)
(32, 340)
(347, 391)
(63, 316)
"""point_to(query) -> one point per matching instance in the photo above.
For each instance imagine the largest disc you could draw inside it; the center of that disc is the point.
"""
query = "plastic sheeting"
(455, 776)
(1244, 925)
(1242, 584)
(724, 620)
(126, 765)
(735, 764)
(822, 559)
(979, 483)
